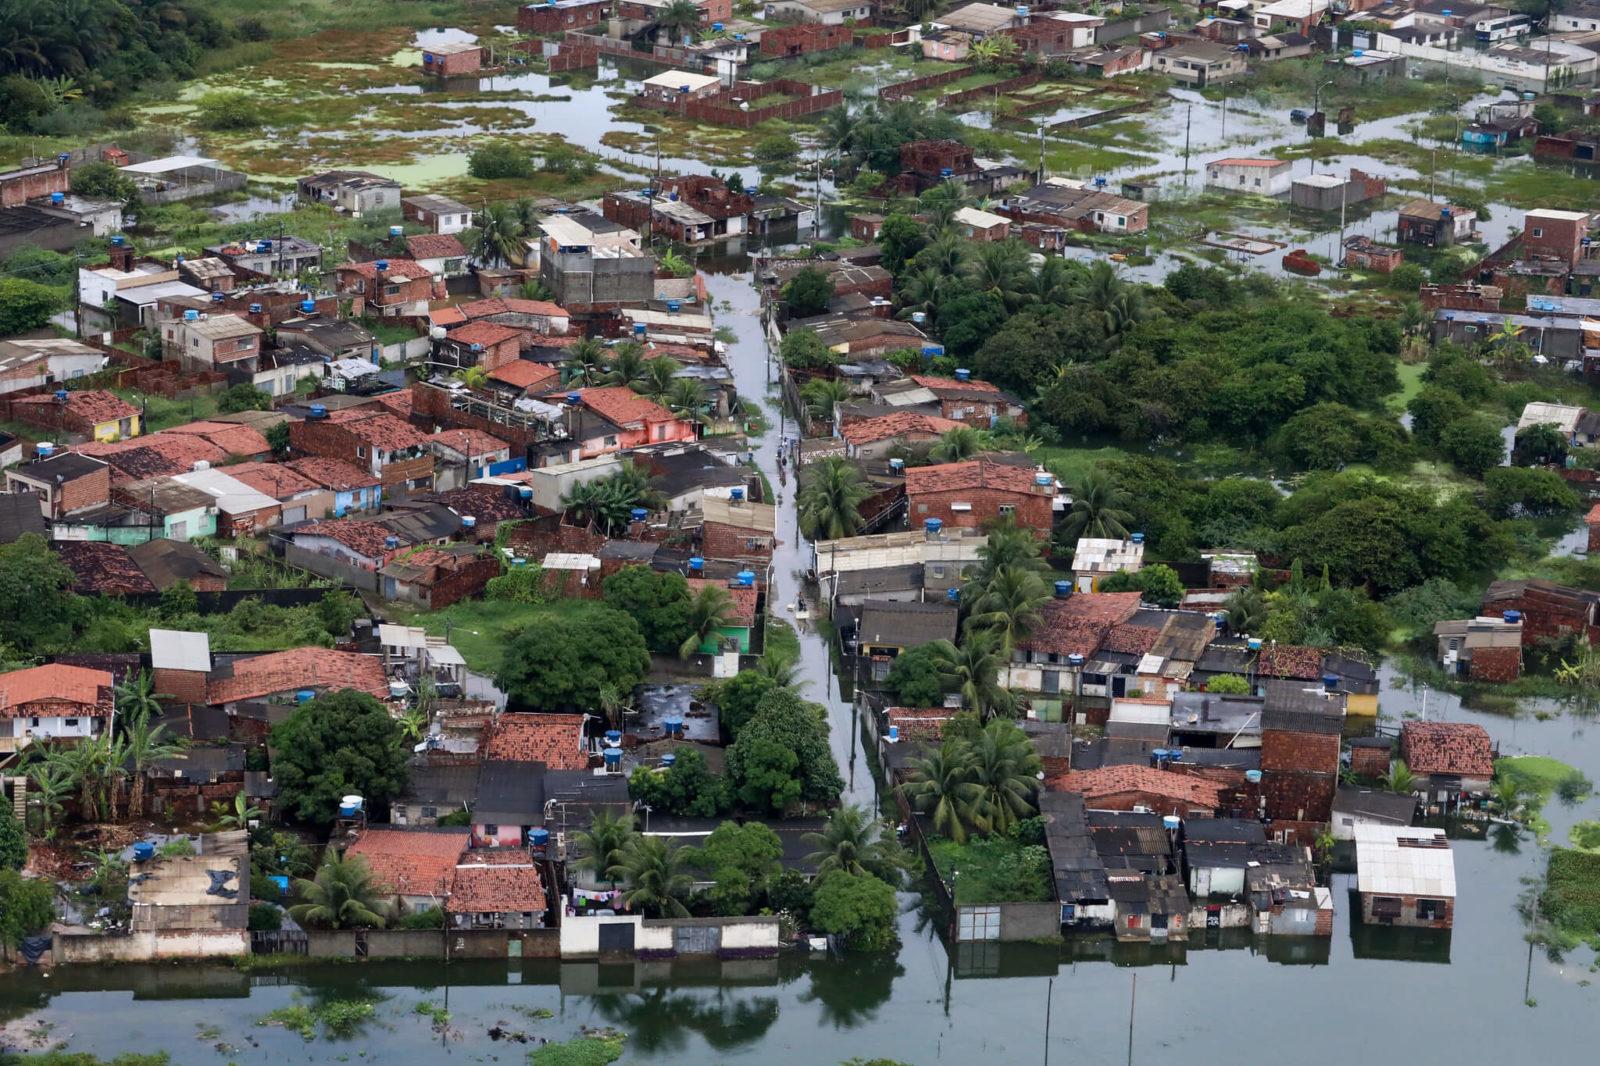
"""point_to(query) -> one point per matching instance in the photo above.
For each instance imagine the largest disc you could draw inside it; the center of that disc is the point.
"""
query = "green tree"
(1099, 509)
(25, 305)
(43, 266)
(338, 611)
(519, 584)
(914, 677)
(802, 349)
(852, 840)
(822, 397)
(13, 842)
(27, 906)
(554, 662)
(711, 610)
(1036, 345)
(1432, 409)
(1003, 766)
(278, 439)
(775, 151)
(342, 895)
(499, 160)
(658, 602)
(499, 236)
(956, 445)
(235, 815)
(660, 374)
(742, 861)
(940, 785)
(1399, 779)
(1009, 606)
(655, 875)
(808, 292)
(901, 237)
(1515, 491)
(36, 600)
(686, 788)
(973, 670)
(798, 726)
(1544, 444)
(103, 181)
(582, 365)
(859, 908)
(1473, 444)
(767, 774)
(830, 503)
(680, 18)
(339, 744)
(603, 845)
(22, 101)
(1228, 684)
(228, 111)
(737, 697)
(1155, 582)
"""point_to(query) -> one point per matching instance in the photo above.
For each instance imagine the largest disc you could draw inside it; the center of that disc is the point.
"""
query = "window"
(244, 345)
(922, 508)
(1008, 508)
(1241, 179)
(194, 342)
(430, 812)
(491, 830)
(394, 290)
(1537, 232)
(34, 721)
(961, 507)
(611, 442)
(71, 723)
(1258, 183)
(1134, 921)
(1386, 907)
(361, 452)
(1430, 910)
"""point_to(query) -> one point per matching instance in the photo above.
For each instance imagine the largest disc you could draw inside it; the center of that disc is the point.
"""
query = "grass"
(1071, 464)
(1571, 897)
(592, 1049)
(1410, 384)
(1538, 773)
(479, 629)
(161, 413)
(992, 870)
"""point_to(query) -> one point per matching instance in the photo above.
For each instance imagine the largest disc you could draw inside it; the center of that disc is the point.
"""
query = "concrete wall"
(1030, 921)
(141, 947)
(580, 936)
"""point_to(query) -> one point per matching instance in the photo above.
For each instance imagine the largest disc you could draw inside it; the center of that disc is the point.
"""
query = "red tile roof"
(405, 268)
(470, 442)
(918, 723)
(524, 374)
(72, 684)
(286, 671)
(103, 567)
(624, 406)
(1130, 640)
(362, 537)
(435, 246)
(155, 455)
(1115, 780)
(553, 739)
(1447, 748)
(1079, 624)
(929, 382)
(981, 473)
(490, 882)
(1291, 661)
(487, 334)
(333, 474)
(447, 317)
(277, 480)
(497, 306)
(412, 862)
(231, 437)
(1593, 517)
(744, 599)
(399, 402)
(378, 428)
(94, 406)
(899, 424)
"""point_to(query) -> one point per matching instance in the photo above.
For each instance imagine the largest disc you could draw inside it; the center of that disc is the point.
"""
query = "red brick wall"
(541, 18)
(1127, 801)
(456, 63)
(548, 533)
(15, 191)
(1541, 618)
(467, 579)
(1033, 510)
(1558, 238)
(316, 437)
(799, 40)
(720, 541)
(1282, 750)
(1369, 762)
(1300, 797)
(418, 469)
(1496, 664)
(186, 686)
(86, 491)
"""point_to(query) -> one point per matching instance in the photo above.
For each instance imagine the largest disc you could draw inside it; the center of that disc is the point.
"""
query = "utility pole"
(1188, 115)
(1041, 153)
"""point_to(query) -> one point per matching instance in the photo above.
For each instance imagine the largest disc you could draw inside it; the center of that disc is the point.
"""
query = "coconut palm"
(947, 253)
(1399, 779)
(582, 365)
(941, 786)
(1051, 283)
(1100, 286)
(956, 445)
(499, 239)
(1008, 607)
(711, 610)
(1008, 545)
(236, 815)
(823, 395)
(830, 503)
(678, 18)
(473, 377)
(342, 895)
(601, 847)
(852, 841)
(136, 695)
(1004, 767)
(625, 364)
(973, 670)
(656, 877)
(921, 290)
(535, 288)
(1001, 269)
(1099, 509)
(658, 377)
(1508, 794)
(841, 128)
(145, 744)
(687, 400)
(1245, 611)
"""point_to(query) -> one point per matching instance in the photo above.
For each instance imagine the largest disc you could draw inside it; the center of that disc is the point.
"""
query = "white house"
(1260, 177)
(27, 363)
(53, 701)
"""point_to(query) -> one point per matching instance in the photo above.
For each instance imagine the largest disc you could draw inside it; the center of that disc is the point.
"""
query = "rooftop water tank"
(255, 309)
(1074, 660)
(613, 738)
(1511, 617)
(517, 563)
(143, 850)
(539, 836)
(931, 350)
(613, 757)
(672, 306)
(639, 329)
(61, 396)
(639, 514)
(1171, 822)
(932, 525)
(44, 449)
(1044, 480)
(574, 397)
(319, 410)
(308, 307)
(897, 465)
(697, 563)
(894, 733)
(395, 231)
(468, 522)
(1137, 538)
(391, 543)
(1175, 754)
(191, 315)
(952, 594)
(668, 759)
(1253, 776)
(963, 374)
(736, 494)
(58, 197)
(673, 725)
(305, 695)
(1253, 643)
(1063, 589)
(217, 297)
(117, 242)
(525, 493)
(382, 264)
(350, 806)
(746, 578)
(1330, 682)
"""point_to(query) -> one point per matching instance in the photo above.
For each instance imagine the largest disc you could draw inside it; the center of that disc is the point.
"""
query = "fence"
(905, 90)
(682, 58)
(725, 108)
(329, 567)
(574, 57)
(983, 92)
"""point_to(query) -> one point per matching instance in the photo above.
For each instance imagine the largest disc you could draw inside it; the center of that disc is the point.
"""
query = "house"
(523, 377)
(54, 702)
(20, 515)
(1147, 894)
(1110, 61)
(375, 441)
(742, 618)
(482, 344)
(1066, 205)
(1487, 648)
(474, 450)
(981, 20)
(1547, 611)
(286, 256)
(193, 905)
(1056, 33)
(102, 569)
(500, 889)
(1076, 868)
(387, 287)
(1329, 192)
(733, 528)
(434, 578)
(1300, 15)
(591, 268)
(241, 510)
(824, 12)
(1447, 759)
(1434, 225)
(1300, 746)
(1217, 851)
(691, 209)
(1361, 253)
(1285, 899)
(1199, 63)
(353, 488)
(1405, 876)
(1052, 657)
(647, 11)
(19, 186)
(28, 362)
(558, 741)
(978, 225)
(93, 413)
(1134, 787)
(297, 670)
(298, 496)
(1558, 236)
(1096, 557)
(440, 254)
(350, 191)
(1259, 177)
(636, 420)
(439, 213)
(65, 483)
(367, 544)
(558, 16)
(414, 865)
(431, 791)
(971, 493)
(178, 511)
(331, 338)
(877, 437)
(889, 627)
(180, 662)
(1280, 46)
(1354, 805)
(540, 317)
(952, 46)
(680, 87)
(452, 59)
(510, 799)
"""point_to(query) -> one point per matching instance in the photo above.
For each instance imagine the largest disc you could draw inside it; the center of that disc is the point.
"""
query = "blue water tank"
(308, 307)
(143, 850)
(539, 836)
(469, 522)
(668, 760)
(638, 329)
(117, 242)
(1511, 617)
(1171, 822)
(952, 594)
(255, 309)
(932, 525)
(963, 374)
(673, 724)
(746, 578)
(1137, 538)
(613, 756)
(717, 27)
(1063, 589)
(696, 563)
(894, 732)
(391, 543)
(1158, 754)
(282, 881)
(525, 493)
(519, 563)
(1253, 643)
(613, 737)
(1175, 754)
(672, 306)
(736, 495)
(897, 465)
(574, 397)
(191, 315)
(382, 264)
(1074, 660)
(639, 514)
(58, 197)
(61, 396)
(319, 410)
(1253, 776)
(217, 297)
(305, 695)
(1330, 682)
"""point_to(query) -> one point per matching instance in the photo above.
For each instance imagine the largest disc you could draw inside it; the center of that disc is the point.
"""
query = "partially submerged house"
(1448, 759)
(1405, 876)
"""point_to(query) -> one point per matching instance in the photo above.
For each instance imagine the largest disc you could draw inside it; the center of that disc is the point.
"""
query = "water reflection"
(661, 1019)
(850, 990)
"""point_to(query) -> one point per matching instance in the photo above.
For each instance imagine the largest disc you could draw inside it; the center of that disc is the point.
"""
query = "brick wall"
(184, 686)
(1283, 750)
(404, 470)
(537, 537)
(542, 18)
(1127, 801)
(1299, 796)
(720, 541)
(453, 64)
(467, 579)
(16, 191)
(1369, 762)
(87, 491)
(316, 437)
(1542, 619)
(1033, 511)
(1559, 238)
(1496, 664)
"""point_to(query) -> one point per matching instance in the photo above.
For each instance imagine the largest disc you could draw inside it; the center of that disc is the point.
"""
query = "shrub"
(501, 159)
(228, 111)
(264, 917)
(426, 918)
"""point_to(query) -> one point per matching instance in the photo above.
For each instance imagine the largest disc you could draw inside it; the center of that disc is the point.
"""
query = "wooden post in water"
(1133, 996)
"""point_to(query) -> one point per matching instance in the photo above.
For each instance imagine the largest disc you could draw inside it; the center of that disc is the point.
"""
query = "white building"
(1260, 177)
(1098, 557)
(27, 363)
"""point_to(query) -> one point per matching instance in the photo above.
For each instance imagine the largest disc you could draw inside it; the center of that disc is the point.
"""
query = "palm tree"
(1008, 545)
(678, 18)
(602, 846)
(941, 786)
(626, 364)
(473, 377)
(830, 503)
(145, 744)
(687, 400)
(1051, 283)
(1508, 794)
(499, 239)
(657, 380)
(973, 670)
(921, 291)
(136, 695)
(947, 253)
(1245, 611)
(1100, 286)
(1000, 268)
(823, 396)
(612, 705)
(343, 895)
(1004, 765)
(1399, 779)
(236, 815)
(841, 128)
(956, 445)
(711, 610)
(655, 876)
(1099, 509)
(1009, 607)
(582, 365)
(852, 841)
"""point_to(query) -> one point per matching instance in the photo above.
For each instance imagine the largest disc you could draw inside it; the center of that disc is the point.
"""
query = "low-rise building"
(497, 889)
(387, 287)
(440, 213)
(203, 342)
(27, 363)
(1434, 225)
(979, 225)
(440, 254)
(971, 493)
(1070, 205)
(1447, 759)
(350, 191)
(1361, 253)
(283, 673)
(1200, 63)
(1405, 876)
(375, 441)
(1136, 787)
(53, 702)
(1354, 805)
(559, 16)
(1486, 648)
(1259, 177)
(66, 483)
(414, 865)
(92, 413)
(1329, 192)
(452, 59)
(1097, 557)
(825, 12)
(287, 256)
